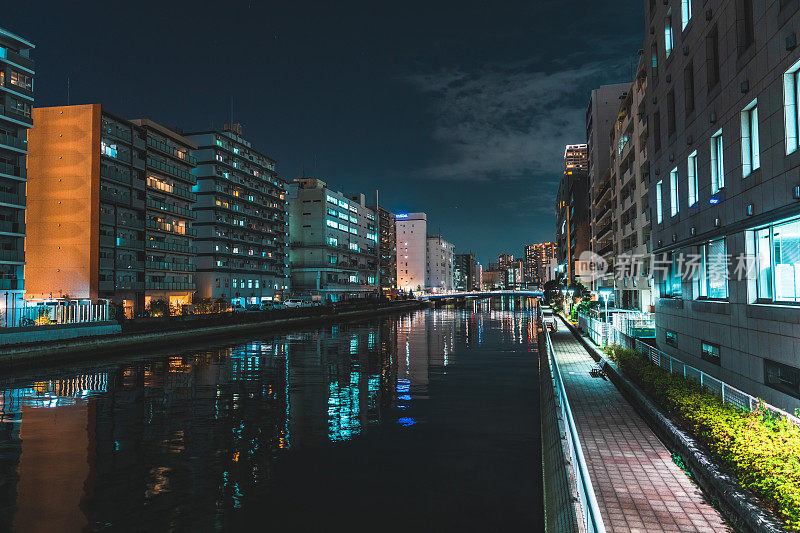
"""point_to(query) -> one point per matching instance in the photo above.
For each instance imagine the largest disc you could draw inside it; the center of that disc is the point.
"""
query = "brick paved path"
(638, 486)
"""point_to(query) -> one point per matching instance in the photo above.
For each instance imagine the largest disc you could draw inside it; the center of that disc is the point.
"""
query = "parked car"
(273, 305)
(252, 307)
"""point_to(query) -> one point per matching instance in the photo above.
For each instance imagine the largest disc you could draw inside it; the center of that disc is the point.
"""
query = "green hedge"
(762, 451)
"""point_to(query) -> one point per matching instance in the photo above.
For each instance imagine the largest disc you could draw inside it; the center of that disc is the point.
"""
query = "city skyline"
(305, 97)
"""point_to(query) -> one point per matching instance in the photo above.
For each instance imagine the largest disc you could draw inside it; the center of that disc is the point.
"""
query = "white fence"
(619, 334)
(40, 313)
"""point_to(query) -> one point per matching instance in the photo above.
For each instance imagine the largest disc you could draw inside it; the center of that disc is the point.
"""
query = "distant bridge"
(479, 294)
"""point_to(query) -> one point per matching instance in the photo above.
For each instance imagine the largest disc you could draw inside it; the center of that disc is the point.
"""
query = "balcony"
(11, 170)
(606, 249)
(12, 227)
(171, 151)
(168, 286)
(181, 192)
(171, 228)
(170, 247)
(9, 141)
(16, 200)
(16, 115)
(13, 57)
(170, 169)
(13, 256)
(166, 208)
(170, 266)
(603, 230)
(127, 264)
(7, 284)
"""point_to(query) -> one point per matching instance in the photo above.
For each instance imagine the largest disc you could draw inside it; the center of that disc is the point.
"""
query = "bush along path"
(762, 451)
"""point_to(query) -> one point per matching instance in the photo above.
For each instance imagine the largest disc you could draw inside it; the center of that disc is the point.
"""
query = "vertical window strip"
(691, 169)
(659, 207)
(673, 192)
(686, 13)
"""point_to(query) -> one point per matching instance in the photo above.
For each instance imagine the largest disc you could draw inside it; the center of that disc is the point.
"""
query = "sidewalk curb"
(740, 507)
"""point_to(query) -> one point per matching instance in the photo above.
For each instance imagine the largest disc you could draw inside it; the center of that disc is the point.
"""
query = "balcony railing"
(170, 169)
(170, 247)
(171, 228)
(11, 170)
(173, 209)
(13, 142)
(169, 286)
(12, 227)
(7, 284)
(171, 150)
(17, 256)
(182, 192)
(170, 266)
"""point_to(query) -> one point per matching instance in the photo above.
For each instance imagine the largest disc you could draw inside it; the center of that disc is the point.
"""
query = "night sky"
(460, 109)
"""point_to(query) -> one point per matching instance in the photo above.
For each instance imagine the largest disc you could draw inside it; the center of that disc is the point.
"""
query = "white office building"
(412, 233)
(439, 265)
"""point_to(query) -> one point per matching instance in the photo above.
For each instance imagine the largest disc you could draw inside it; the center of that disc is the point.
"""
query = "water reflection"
(187, 439)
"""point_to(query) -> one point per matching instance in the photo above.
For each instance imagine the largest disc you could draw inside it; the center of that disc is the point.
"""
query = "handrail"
(592, 517)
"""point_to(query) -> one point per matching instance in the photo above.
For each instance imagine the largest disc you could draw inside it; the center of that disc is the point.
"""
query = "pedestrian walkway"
(637, 485)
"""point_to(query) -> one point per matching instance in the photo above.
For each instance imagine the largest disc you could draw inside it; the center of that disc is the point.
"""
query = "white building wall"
(412, 231)
(440, 264)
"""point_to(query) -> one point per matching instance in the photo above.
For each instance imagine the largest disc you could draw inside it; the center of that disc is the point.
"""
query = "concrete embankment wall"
(60, 332)
(33, 354)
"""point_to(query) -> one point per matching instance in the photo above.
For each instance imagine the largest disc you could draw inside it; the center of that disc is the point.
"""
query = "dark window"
(654, 60)
(710, 352)
(782, 377)
(671, 338)
(671, 112)
(688, 88)
(712, 58)
(744, 25)
(657, 131)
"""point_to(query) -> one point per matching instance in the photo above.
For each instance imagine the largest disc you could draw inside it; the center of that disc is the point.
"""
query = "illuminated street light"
(606, 294)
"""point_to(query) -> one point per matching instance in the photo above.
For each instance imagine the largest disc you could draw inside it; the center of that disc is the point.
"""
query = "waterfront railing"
(588, 502)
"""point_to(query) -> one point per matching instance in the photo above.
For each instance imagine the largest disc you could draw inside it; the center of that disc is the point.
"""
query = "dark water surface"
(426, 421)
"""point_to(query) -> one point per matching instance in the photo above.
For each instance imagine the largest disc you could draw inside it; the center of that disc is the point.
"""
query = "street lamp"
(606, 294)
(570, 292)
(564, 292)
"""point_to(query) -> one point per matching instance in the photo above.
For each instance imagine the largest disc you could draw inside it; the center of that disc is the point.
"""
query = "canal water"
(427, 420)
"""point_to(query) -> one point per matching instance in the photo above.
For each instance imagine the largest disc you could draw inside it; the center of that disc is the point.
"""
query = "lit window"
(710, 352)
(668, 33)
(354, 246)
(659, 208)
(332, 224)
(712, 279)
(333, 241)
(673, 192)
(331, 199)
(686, 13)
(751, 159)
(791, 109)
(777, 251)
(108, 149)
(717, 166)
(691, 168)
(353, 278)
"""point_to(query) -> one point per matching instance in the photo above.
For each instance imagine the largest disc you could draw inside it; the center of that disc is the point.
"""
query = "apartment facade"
(631, 204)
(723, 146)
(440, 264)
(109, 215)
(387, 251)
(466, 272)
(573, 232)
(538, 263)
(601, 115)
(412, 247)
(333, 250)
(16, 103)
(241, 220)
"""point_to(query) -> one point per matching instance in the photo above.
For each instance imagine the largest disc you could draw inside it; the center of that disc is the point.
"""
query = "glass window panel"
(786, 250)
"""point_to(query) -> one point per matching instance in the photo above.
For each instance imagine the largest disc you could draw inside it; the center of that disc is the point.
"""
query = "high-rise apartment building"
(440, 267)
(572, 215)
(387, 251)
(466, 272)
(723, 119)
(240, 220)
(333, 238)
(538, 262)
(601, 114)
(504, 260)
(109, 215)
(576, 157)
(16, 103)
(412, 246)
(630, 217)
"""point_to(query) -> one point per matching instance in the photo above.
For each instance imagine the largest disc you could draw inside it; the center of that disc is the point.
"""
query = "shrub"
(761, 450)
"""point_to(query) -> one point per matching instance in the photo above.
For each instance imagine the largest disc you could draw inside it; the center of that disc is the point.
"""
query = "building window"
(712, 277)
(332, 224)
(671, 112)
(710, 352)
(659, 207)
(671, 338)
(712, 58)
(673, 192)
(668, 33)
(688, 88)
(744, 25)
(672, 283)
(751, 160)
(691, 169)
(657, 131)
(654, 60)
(717, 166)
(777, 252)
(791, 109)
(333, 241)
(782, 377)
(333, 259)
(686, 13)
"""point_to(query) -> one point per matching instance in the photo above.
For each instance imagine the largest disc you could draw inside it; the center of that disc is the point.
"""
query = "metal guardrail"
(591, 510)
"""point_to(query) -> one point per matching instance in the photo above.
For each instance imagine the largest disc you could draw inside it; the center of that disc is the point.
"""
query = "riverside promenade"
(637, 485)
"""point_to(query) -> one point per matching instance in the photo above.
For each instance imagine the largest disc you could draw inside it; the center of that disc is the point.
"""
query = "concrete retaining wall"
(60, 332)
